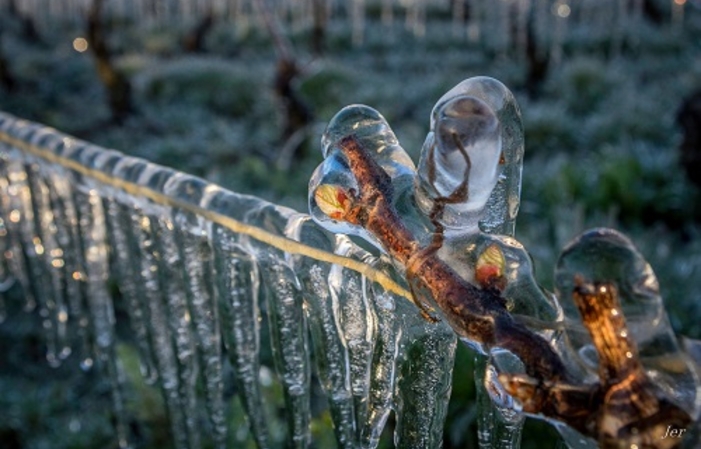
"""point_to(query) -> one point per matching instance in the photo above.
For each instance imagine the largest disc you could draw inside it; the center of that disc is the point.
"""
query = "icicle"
(23, 214)
(92, 224)
(424, 379)
(65, 218)
(53, 264)
(330, 351)
(171, 269)
(385, 352)
(127, 253)
(172, 285)
(357, 322)
(146, 257)
(236, 290)
(287, 325)
(88, 228)
(14, 254)
(7, 279)
(161, 339)
(499, 423)
(195, 253)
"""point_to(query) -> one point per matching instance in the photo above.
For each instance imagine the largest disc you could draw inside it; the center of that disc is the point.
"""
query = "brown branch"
(116, 83)
(193, 42)
(298, 114)
(477, 314)
(624, 407)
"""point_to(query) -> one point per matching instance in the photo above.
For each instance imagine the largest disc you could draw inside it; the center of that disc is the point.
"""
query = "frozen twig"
(624, 409)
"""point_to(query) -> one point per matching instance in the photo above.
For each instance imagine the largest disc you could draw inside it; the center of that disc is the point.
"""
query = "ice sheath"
(213, 283)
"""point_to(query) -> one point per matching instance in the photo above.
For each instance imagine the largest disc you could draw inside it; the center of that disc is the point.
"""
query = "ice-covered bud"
(330, 192)
(490, 268)
(333, 185)
(334, 201)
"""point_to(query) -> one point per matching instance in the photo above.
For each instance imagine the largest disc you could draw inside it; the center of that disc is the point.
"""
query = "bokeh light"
(80, 44)
(563, 10)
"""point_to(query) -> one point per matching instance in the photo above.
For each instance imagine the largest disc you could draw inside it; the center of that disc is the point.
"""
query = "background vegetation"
(601, 150)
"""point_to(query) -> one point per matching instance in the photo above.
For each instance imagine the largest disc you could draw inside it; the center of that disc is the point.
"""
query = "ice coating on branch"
(468, 182)
(607, 256)
(480, 116)
(460, 159)
(372, 132)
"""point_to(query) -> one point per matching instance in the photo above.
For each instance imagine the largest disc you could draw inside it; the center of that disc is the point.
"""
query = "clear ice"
(467, 186)
(215, 282)
(473, 156)
(203, 291)
(605, 255)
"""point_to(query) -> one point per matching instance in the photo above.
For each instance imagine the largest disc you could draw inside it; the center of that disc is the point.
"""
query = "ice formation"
(208, 277)
(450, 224)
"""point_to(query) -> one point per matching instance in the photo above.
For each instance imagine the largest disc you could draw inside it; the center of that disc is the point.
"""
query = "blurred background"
(239, 91)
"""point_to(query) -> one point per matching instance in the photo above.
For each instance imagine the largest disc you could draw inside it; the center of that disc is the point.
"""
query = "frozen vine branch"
(477, 314)
(362, 188)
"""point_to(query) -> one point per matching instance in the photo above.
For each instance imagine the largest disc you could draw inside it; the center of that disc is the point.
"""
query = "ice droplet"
(460, 156)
